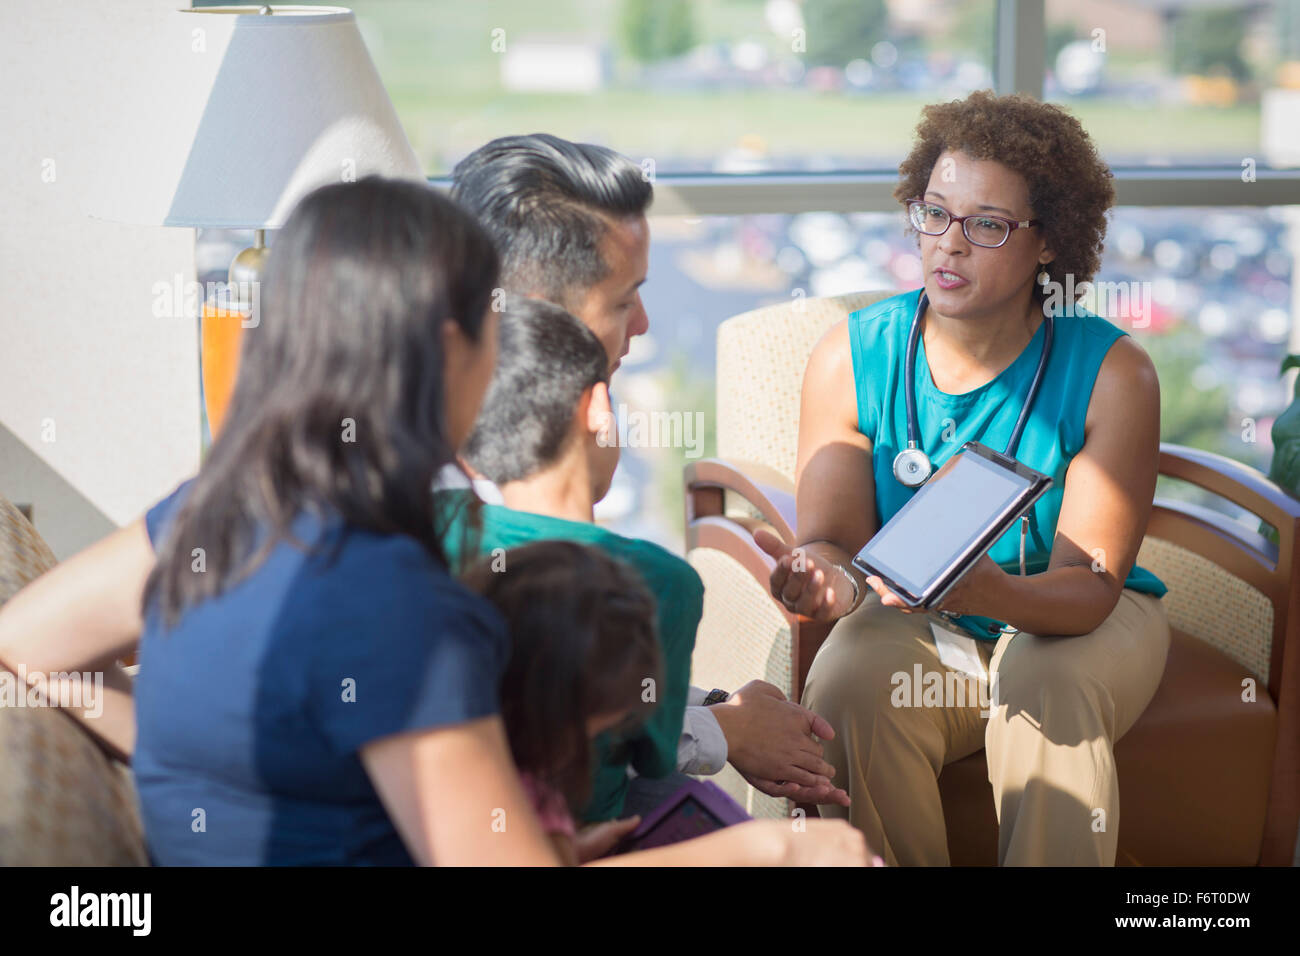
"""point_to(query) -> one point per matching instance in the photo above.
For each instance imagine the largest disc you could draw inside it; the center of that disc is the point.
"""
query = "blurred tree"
(1209, 39)
(1190, 415)
(974, 26)
(973, 29)
(656, 29)
(840, 31)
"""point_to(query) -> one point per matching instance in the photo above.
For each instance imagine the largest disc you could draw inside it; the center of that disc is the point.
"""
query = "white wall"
(99, 400)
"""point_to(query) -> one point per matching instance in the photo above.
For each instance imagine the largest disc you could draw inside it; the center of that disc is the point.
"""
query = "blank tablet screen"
(943, 519)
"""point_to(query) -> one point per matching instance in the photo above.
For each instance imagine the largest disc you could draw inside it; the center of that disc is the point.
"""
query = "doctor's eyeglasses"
(988, 231)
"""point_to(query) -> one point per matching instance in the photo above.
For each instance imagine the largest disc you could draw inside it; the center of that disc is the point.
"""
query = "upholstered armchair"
(1207, 776)
(63, 801)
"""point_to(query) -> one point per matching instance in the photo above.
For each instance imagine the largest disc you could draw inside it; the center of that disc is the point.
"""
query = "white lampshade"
(253, 111)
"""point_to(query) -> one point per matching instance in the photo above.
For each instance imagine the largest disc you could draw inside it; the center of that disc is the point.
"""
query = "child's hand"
(596, 839)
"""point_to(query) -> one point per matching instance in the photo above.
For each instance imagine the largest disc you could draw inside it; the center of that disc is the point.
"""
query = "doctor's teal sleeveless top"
(1053, 434)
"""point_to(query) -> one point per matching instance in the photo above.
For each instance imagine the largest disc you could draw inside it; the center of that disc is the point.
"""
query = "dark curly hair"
(1070, 187)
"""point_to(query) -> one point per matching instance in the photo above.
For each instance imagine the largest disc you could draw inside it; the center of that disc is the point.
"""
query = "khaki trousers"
(1052, 709)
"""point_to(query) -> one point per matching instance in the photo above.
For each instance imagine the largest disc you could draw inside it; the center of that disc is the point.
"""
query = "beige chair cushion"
(1212, 604)
(63, 802)
(742, 637)
(24, 555)
(761, 358)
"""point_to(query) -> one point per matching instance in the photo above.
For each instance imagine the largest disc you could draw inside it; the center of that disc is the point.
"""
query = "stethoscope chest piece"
(912, 467)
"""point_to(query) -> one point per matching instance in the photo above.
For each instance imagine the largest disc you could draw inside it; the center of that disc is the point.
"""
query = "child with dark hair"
(584, 661)
(584, 653)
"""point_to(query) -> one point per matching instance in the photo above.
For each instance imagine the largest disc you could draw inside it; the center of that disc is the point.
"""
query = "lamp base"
(223, 325)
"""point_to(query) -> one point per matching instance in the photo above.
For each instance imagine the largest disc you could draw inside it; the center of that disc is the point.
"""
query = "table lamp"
(256, 107)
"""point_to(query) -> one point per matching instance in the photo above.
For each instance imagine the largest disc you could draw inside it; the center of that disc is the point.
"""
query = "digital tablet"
(696, 808)
(956, 516)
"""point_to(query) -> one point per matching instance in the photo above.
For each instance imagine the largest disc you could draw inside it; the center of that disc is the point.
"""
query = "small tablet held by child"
(696, 808)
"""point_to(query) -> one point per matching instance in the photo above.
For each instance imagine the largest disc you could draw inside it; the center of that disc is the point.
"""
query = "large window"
(746, 86)
(775, 128)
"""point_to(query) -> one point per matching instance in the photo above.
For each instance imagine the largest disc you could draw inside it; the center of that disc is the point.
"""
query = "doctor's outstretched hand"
(806, 583)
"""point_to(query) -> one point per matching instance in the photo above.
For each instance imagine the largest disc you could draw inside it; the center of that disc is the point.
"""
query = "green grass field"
(788, 122)
(437, 62)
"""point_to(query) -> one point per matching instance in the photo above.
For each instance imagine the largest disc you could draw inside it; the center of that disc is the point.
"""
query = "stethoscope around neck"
(912, 465)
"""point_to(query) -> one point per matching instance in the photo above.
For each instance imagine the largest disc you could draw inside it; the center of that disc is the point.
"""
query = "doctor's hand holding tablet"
(822, 591)
(970, 595)
(932, 555)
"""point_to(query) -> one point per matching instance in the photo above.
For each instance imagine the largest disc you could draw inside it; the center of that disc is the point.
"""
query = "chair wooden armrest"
(709, 526)
(1238, 483)
(771, 494)
(769, 491)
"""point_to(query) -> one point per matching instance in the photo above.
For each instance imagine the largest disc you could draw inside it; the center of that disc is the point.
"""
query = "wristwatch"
(716, 696)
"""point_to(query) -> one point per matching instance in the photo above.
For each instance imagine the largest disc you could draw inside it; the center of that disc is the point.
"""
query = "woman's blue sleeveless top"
(1053, 434)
